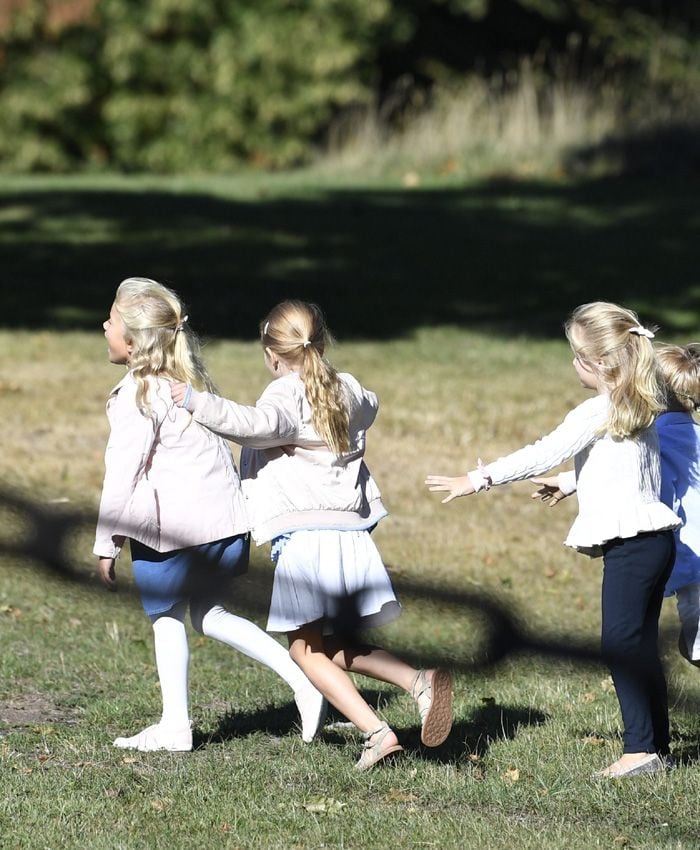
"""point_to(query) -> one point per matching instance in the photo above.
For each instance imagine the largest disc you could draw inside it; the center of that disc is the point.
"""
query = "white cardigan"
(169, 483)
(291, 479)
(618, 480)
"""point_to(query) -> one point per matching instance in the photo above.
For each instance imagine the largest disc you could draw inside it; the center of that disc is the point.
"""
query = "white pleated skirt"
(334, 576)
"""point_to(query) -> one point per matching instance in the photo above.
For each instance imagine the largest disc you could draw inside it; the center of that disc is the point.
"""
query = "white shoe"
(648, 763)
(156, 738)
(312, 710)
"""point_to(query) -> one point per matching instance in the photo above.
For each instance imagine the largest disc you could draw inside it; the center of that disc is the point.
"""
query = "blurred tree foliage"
(208, 85)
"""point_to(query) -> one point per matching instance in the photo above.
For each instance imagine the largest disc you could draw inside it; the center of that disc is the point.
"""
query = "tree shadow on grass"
(45, 544)
(510, 255)
(474, 736)
(272, 720)
(281, 720)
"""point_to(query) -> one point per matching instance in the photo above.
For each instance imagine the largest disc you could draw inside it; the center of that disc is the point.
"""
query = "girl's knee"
(304, 642)
(298, 649)
(619, 642)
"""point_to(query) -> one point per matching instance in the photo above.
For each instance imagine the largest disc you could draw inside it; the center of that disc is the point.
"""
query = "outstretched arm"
(271, 422)
(579, 429)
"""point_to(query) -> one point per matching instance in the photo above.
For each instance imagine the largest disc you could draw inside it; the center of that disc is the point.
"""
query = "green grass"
(502, 254)
(448, 301)
(77, 665)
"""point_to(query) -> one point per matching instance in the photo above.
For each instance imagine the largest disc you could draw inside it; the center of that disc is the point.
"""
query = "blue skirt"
(198, 573)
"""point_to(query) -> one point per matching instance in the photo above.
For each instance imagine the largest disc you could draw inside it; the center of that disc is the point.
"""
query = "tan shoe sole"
(438, 720)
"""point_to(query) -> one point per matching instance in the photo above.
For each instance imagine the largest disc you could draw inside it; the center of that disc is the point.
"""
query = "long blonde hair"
(680, 370)
(162, 343)
(610, 340)
(296, 332)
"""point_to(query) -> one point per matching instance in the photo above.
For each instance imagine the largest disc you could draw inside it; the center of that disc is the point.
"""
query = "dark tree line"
(211, 85)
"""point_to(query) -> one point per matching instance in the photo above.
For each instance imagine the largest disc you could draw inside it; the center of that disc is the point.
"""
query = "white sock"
(246, 637)
(172, 659)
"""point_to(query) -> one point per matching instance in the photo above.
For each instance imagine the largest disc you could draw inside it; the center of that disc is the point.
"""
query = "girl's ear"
(271, 358)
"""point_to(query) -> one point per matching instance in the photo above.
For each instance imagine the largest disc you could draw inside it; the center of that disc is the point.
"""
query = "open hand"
(455, 487)
(549, 491)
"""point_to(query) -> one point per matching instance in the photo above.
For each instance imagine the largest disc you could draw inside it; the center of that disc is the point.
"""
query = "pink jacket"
(169, 482)
(291, 479)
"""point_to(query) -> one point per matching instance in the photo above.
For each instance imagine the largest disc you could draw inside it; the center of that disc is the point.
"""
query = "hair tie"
(181, 324)
(691, 399)
(306, 343)
(266, 328)
(640, 330)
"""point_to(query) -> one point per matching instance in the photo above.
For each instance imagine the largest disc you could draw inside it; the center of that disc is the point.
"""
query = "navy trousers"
(635, 573)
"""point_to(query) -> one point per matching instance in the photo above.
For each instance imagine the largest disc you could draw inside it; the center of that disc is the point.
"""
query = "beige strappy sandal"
(434, 698)
(374, 749)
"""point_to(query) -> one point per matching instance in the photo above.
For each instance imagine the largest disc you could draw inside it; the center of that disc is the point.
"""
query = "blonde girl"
(617, 477)
(171, 487)
(310, 493)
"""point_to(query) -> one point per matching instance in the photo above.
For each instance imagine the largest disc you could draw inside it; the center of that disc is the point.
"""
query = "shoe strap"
(369, 735)
(420, 685)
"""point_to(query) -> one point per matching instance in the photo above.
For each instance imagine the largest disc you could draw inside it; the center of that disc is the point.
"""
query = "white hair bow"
(642, 331)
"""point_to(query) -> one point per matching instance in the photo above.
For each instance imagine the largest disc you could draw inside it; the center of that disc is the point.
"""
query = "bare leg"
(371, 661)
(307, 648)
(431, 689)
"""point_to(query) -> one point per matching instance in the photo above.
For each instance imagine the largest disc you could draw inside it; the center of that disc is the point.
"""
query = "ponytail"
(326, 396)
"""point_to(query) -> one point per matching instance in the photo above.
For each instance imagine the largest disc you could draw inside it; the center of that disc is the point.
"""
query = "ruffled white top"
(618, 480)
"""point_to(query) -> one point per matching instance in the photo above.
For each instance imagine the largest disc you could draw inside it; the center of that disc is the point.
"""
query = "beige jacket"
(291, 479)
(169, 483)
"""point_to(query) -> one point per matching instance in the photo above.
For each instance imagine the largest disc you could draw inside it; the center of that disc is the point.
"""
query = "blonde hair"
(162, 343)
(680, 370)
(611, 342)
(296, 332)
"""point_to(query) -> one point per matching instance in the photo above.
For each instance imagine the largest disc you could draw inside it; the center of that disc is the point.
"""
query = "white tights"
(172, 653)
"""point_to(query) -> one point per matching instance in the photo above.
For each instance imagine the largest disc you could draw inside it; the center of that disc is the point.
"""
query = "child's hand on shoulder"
(549, 491)
(454, 487)
(182, 394)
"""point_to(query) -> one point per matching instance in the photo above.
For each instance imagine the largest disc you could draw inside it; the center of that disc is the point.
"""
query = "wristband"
(488, 482)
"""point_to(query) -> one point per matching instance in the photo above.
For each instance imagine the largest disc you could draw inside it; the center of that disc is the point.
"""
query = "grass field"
(383, 259)
(462, 370)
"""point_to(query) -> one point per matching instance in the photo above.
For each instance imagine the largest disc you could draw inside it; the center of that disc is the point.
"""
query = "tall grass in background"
(523, 123)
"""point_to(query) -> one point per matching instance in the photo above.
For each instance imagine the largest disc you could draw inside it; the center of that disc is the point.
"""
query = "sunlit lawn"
(447, 300)
(77, 663)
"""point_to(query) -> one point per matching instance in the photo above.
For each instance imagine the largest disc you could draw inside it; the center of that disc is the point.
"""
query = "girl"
(310, 493)
(617, 474)
(172, 488)
(679, 441)
(679, 445)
